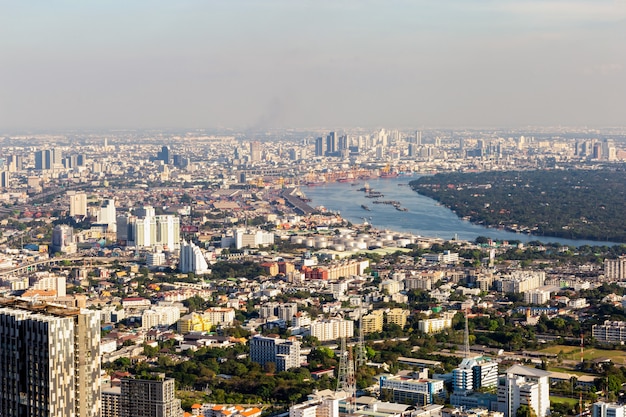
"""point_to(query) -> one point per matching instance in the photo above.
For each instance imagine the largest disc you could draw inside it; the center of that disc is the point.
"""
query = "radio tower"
(361, 355)
(467, 345)
(580, 398)
(345, 375)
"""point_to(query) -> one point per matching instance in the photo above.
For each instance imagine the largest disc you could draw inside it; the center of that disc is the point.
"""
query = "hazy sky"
(318, 63)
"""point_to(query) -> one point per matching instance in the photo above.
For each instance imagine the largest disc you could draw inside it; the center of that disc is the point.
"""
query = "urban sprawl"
(187, 274)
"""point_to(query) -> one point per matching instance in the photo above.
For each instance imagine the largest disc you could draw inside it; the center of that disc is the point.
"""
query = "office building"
(49, 361)
(149, 398)
(320, 147)
(192, 259)
(524, 386)
(602, 409)
(331, 144)
(48, 159)
(474, 373)
(412, 390)
(78, 203)
(165, 155)
(5, 179)
(285, 354)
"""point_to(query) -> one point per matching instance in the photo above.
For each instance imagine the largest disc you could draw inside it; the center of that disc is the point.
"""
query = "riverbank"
(423, 215)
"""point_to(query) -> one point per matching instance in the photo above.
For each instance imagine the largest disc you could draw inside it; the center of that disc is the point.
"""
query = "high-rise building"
(49, 361)
(332, 329)
(255, 151)
(5, 179)
(285, 354)
(192, 259)
(615, 269)
(165, 155)
(147, 230)
(149, 398)
(331, 143)
(320, 147)
(524, 386)
(63, 239)
(78, 203)
(107, 214)
(167, 231)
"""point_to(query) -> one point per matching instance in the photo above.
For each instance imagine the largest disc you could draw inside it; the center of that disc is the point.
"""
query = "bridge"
(33, 266)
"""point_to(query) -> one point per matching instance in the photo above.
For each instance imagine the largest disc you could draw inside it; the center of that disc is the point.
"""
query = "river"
(424, 216)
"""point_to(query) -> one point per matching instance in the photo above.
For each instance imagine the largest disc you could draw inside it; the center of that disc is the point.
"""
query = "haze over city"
(264, 64)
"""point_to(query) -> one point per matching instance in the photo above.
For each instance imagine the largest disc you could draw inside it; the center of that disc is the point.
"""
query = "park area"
(618, 357)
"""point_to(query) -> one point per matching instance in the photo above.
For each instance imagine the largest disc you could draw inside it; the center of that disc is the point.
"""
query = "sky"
(256, 64)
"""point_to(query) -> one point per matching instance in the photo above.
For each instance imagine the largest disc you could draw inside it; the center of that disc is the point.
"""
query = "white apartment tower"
(78, 203)
(107, 216)
(192, 259)
(147, 230)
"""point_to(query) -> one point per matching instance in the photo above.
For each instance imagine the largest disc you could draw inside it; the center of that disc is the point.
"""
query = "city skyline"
(273, 64)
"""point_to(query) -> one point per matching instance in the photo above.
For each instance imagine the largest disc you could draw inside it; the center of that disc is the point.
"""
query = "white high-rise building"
(192, 259)
(168, 232)
(524, 386)
(332, 329)
(107, 216)
(150, 231)
(602, 409)
(78, 203)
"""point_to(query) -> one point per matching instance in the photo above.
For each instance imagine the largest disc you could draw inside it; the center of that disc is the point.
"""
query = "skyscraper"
(320, 148)
(107, 214)
(255, 151)
(78, 203)
(49, 361)
(5, 178)
(192, 259)
(331, 143)
(147, 230)
(165, 155)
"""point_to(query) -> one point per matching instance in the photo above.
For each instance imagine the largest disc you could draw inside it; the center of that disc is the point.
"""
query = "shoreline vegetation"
(576, 204)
